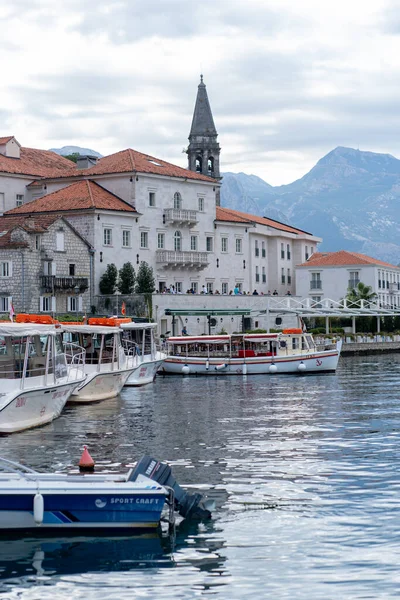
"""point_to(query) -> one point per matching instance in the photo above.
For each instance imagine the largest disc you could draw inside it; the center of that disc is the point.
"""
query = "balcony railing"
(51, 283)
(190, 260)
(315, 285)
(394, 287)
(176, 215)
(353, 283)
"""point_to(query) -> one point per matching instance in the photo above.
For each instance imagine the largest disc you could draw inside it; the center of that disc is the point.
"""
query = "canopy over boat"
(133, 325)
(25, 329)
(200, 339)
(91, 329)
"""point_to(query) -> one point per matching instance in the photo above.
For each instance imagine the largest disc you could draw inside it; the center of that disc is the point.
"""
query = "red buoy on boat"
(86, 462)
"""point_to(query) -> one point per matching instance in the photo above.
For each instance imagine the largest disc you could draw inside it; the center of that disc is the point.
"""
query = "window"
(47, 303)
(2, 202)
(126, 238)
(144, 239)
(161, 241)
(195, 287)
(74, 303)
(210, 287)
(19, 199)
(60, 241)
(264, 277)
(152, 198)
(257, 275)
(49, 267)
(282, 250)
(193, 242)
(177, 201)
(282, 275)
(201, 204)
(312, 250)
(263, 253)
(107, 237)
(6, 269)
(289, 277)
(5, 303)
(224, 287)
(288, 251)
(209, 244)
(315, 283)
(354, 279)
(178, 287)
(238, 246)
(37, 242)
(177, 241)
(256, 249)
(306, 255)
(72, 270)
(224, 244)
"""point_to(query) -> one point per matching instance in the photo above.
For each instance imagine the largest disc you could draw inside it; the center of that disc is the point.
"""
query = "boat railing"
(13, 467)
(76, 358)
(131, 348)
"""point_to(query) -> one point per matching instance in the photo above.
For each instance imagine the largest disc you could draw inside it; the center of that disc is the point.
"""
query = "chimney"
(86, 161)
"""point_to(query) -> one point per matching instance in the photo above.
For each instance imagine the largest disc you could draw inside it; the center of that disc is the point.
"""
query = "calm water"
(304, 472)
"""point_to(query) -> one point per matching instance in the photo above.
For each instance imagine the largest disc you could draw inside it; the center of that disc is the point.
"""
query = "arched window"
(199, 164)
(210, 165)
(177, 201)
(177, 241)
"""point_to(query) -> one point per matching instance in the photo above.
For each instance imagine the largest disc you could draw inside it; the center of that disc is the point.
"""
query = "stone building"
(45, 265)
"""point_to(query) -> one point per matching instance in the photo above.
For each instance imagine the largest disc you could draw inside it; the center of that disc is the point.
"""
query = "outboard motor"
(189, 506)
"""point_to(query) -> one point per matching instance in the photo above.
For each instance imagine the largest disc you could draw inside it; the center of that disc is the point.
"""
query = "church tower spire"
(203, 150)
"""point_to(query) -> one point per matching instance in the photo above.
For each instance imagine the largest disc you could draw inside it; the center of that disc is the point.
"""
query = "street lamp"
(76, 290)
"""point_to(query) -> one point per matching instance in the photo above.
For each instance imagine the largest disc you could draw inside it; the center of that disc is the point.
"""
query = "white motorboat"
(143, 355)
(107, 367)
(290, 351)
(37, 377)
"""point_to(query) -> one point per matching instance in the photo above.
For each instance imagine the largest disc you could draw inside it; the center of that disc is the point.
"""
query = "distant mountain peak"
(67, 150)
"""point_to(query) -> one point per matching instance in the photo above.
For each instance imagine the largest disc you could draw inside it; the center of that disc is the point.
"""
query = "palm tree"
(360, 292)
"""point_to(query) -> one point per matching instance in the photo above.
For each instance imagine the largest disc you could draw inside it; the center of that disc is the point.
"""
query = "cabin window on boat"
(6, 269)
(295, 343)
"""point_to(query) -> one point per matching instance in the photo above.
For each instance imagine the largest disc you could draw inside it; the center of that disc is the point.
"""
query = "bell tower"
(203, 150)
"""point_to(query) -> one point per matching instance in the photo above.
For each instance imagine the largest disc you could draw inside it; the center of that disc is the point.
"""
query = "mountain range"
(350, 198)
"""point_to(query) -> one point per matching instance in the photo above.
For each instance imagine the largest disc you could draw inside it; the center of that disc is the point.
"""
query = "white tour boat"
(291, 351)
(37, 377)
(143, 355)
(106, 366)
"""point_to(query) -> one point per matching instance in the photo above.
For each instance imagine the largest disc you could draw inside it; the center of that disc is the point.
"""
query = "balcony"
(180, 216)
(394, 287)
(187, 260)
(353, 283)
(316, 285)
(55, 283)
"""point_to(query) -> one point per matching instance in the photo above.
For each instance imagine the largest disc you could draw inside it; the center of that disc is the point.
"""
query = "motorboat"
(37, 377)
(30, 500)
(289, 351)
(143, 354)
(107, 367)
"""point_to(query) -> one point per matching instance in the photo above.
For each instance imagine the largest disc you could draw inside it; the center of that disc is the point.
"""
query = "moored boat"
(143, 354)
(290, 351)
(106, 366)
(36, 377)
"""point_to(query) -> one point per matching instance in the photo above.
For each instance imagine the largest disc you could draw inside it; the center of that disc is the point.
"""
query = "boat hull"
(101, 386)
(317, 362)
(34, 407)
(144, 372)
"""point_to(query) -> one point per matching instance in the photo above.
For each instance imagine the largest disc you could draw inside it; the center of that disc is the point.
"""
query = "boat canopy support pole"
(378, 324)
(327, 325)
(353, 324)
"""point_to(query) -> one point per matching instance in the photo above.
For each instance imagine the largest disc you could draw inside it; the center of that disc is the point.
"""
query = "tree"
(108, 281)
(145, 279)
(360, 292)
(126, 279)
(74, 156)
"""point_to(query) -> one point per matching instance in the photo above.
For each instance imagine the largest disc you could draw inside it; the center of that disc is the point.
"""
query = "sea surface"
(304, 471)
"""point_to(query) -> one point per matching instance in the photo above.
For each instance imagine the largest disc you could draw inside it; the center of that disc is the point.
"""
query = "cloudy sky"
(287, 81)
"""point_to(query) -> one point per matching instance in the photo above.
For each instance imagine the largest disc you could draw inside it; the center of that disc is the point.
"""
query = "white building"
(331, 274)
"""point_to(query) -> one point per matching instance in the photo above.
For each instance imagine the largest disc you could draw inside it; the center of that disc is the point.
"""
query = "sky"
(287, 81)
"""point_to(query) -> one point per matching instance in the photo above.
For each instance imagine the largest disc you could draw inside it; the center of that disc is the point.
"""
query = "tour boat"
(37, 377)
(32, 501)
(143, 355)
(106, 366)
(290, 351)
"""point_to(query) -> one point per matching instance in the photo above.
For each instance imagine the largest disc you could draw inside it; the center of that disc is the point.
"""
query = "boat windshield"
(32, 354)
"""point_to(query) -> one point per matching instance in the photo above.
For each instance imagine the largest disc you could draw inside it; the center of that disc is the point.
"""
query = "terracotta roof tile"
(4, 140)
(342, 258)
(38, 163)
(235, 216)
(37, 224)
(77, 196)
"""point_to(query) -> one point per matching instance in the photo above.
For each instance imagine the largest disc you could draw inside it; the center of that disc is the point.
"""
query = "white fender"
(185, 370)
(38, 508)
(207, 365)
(244, 369)
(220, 367)
(302, 366)
(273, 368)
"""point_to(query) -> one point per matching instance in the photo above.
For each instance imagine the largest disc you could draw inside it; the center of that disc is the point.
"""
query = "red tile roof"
(37, 163)
(77, 196)
(235, 216)
(4, 140)
(128, 161)
(343, 258)
(37, 224)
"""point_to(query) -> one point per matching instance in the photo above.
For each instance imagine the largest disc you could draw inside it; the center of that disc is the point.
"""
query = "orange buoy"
(86, 462)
